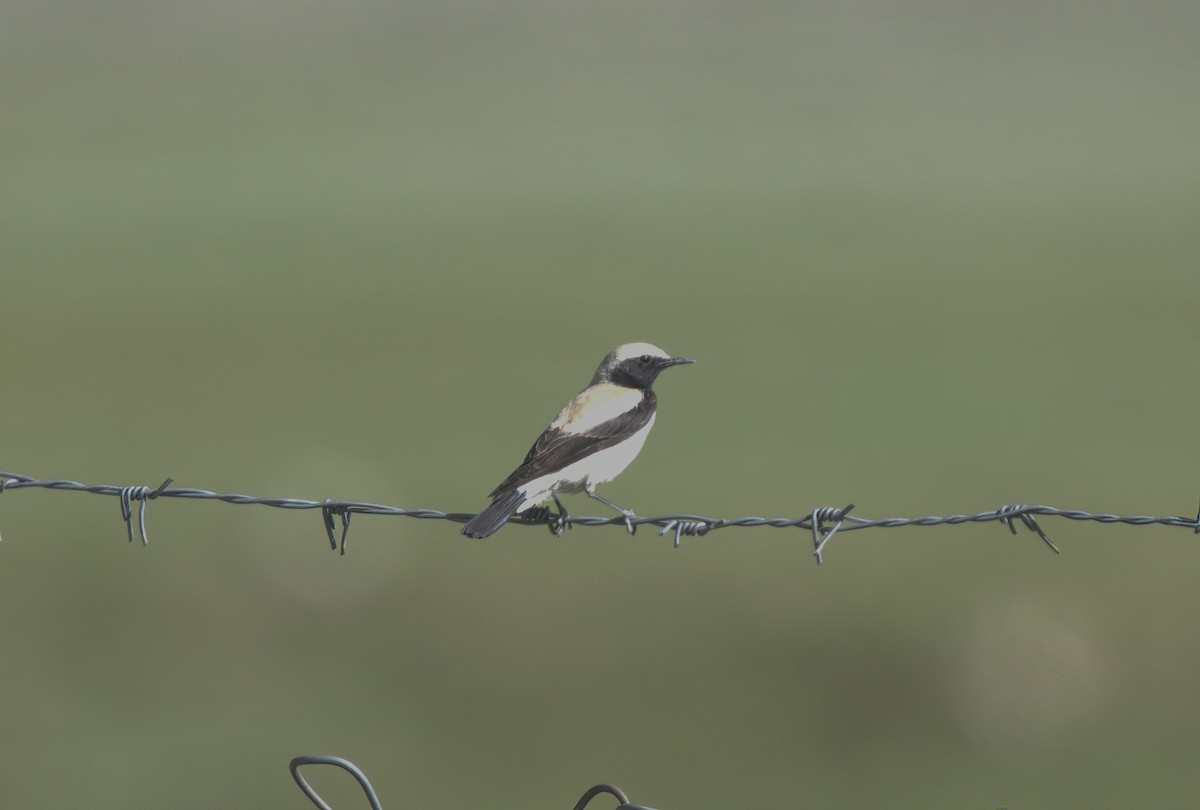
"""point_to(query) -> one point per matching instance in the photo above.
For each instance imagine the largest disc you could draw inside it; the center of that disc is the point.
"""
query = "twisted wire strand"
(824, 522)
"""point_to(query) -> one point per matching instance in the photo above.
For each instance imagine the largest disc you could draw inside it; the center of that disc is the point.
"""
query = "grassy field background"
(931, 257)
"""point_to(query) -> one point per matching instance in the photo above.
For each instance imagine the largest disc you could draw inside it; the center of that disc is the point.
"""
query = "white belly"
(599, 467)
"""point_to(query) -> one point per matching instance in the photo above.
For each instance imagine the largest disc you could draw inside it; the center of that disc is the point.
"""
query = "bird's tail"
(495, 515)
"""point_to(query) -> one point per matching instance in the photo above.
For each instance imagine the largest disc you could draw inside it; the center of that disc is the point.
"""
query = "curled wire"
(612, 790)
(341, 762)
(5, 481)
(328, 510)
(1008, 512)
(373, 798)
(596, 790)
(556, 522)
(822, 534)
(691, 528)
(141, 494)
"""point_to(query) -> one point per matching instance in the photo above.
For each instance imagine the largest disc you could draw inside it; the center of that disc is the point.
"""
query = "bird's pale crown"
(629, 350)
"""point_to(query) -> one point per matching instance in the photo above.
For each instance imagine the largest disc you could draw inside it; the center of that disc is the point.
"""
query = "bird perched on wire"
(591, 441)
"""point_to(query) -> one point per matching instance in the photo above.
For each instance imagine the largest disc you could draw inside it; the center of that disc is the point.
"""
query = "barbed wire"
(373, 798)
(823, 522)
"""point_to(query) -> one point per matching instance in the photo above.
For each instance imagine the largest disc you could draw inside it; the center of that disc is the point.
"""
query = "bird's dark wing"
(556, 448)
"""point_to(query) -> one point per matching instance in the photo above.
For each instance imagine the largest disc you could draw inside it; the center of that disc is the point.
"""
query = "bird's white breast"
(598, 468)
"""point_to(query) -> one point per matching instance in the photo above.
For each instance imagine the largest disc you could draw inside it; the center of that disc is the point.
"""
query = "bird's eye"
(646, 359)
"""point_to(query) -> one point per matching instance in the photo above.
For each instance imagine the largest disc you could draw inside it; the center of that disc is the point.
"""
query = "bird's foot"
(560, 520)
(630, 517)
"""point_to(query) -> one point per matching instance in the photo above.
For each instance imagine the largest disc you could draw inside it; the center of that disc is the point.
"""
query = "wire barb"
(341, 762)
(692, 528)
(1008, 512)
(330, 508)
(5, 481)
(612, 790)
(822, 534)
(560, 521)
(141, 494)
(373, 797)
(596, 790)
(544, 514)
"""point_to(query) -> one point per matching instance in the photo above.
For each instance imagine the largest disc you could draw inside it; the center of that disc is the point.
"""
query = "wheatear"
(590, 442)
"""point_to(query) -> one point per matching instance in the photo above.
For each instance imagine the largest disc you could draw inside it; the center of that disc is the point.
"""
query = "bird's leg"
(628, 513)
(560, 522)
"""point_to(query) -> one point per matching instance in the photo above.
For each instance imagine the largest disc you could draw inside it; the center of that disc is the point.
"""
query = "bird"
(591, 441)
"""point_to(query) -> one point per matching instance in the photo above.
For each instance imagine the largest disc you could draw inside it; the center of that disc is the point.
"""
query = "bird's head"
(635, 365)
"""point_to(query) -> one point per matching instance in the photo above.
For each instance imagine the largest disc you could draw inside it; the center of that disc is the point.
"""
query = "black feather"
(556, 449)
(494, 516)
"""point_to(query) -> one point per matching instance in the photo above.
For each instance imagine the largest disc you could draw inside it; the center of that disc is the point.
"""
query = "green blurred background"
(932, 257)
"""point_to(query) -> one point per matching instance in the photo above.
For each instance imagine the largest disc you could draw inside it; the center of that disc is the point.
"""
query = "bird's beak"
(675, 361)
